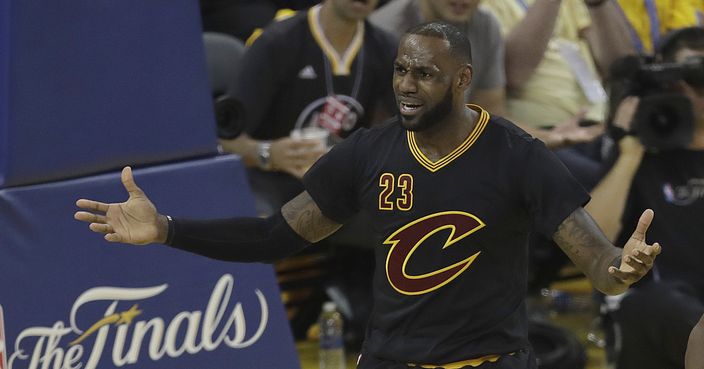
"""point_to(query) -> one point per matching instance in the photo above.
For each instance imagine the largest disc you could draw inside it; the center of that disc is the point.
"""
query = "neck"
(338, 30)
(445, 136)
(427, 12)
(428, 15)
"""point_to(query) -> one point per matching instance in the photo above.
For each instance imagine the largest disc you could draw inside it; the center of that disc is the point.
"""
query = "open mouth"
(409, 108)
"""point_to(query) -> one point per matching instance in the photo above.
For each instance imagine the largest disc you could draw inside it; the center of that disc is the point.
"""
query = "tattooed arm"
(306, 219)
(244, 239)
(610, 269)
(299, 224)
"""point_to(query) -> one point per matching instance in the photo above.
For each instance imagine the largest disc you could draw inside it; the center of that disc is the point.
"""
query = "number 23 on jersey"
(396, 192)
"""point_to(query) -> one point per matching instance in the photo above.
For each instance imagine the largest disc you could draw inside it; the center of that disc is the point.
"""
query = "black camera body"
(665, 117)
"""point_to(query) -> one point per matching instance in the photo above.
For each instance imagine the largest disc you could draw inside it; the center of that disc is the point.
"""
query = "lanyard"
(328, 68)
(357, 75)
(654, 23)
(654, 26)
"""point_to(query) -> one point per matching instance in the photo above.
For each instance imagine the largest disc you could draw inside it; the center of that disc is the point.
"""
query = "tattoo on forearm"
(580, 238)
(305, 217)
(575, 238)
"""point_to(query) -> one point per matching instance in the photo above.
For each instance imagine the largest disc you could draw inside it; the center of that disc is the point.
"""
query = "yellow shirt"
(552, 95)
(671, 15)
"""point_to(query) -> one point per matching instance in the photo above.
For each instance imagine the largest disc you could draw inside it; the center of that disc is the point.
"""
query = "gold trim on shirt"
(340, 64)
(434, 166)
(461, 364)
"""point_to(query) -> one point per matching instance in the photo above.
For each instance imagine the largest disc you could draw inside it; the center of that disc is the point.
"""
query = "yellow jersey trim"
(434, 166)
(461, 364)
(341, 65)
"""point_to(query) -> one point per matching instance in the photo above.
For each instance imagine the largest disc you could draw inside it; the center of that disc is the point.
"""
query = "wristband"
(170, 230)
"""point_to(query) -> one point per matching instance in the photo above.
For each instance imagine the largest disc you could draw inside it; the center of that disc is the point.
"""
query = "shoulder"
(485, 20)
(507, 135)
(281, 32)
(372, 139)
(396, 16)
(506, 12)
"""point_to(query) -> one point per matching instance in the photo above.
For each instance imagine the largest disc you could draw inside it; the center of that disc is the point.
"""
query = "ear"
(464, 77)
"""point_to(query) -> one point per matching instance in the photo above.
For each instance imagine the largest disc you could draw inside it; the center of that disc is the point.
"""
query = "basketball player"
(453, 193)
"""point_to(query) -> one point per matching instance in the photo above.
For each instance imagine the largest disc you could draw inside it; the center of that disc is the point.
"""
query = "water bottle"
(332, 349)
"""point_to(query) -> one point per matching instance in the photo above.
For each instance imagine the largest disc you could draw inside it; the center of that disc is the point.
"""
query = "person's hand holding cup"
(312, 143)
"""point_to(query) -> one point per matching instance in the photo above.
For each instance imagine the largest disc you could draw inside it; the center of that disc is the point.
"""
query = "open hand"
(134, 221)
(637, 257)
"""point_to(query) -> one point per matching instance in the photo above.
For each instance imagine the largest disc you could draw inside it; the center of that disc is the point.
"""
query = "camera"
(665, 117)
(229, 116)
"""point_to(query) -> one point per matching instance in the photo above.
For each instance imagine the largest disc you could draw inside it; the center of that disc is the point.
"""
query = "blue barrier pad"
(87, 86)
(70, 297)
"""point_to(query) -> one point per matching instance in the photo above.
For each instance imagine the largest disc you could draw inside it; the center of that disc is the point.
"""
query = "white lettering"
(188, 332)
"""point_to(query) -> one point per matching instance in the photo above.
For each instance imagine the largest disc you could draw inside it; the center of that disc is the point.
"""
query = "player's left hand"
(637, 257)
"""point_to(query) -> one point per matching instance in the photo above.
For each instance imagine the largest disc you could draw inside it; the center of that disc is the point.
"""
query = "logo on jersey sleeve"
(405, 241)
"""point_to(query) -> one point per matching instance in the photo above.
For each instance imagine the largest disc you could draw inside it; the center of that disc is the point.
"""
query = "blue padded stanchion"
(70, 297)
(87, 86)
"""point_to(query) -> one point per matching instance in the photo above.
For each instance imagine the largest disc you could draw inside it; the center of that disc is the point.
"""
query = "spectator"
(489, 87)
(657, 315)
(555, 52)
(649, 20)
(324, 67)
(288, 77)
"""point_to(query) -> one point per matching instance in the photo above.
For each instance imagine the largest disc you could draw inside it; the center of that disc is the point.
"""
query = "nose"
(407, 83)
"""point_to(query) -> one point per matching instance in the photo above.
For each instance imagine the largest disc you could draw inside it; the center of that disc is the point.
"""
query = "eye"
(425, 75)
(399, 70)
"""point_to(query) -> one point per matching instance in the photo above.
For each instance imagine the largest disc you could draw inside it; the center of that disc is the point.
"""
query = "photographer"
(670, 180)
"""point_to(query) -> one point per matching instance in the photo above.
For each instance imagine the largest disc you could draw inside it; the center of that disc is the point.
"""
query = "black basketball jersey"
(451, 235)
(290, 71)
(672, 184)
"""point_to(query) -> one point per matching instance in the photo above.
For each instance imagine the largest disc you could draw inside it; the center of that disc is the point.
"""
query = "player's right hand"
(134, 221)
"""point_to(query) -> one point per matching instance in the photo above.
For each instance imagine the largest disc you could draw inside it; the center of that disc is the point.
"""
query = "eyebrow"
(409, 65)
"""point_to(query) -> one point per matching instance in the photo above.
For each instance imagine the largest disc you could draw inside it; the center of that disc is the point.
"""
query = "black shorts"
(522, 359)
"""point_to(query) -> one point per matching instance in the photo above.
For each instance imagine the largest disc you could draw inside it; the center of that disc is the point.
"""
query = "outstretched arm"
(245, 239)
(584, 243)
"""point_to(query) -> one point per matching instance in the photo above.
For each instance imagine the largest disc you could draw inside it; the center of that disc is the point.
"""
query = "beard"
(432, 117)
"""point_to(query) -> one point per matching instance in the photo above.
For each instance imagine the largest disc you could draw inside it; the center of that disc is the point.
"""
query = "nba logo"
(3, 348)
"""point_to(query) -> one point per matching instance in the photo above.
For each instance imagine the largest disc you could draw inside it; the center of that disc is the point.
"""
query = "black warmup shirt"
(672, 184)
(450, 236)
(285, 80)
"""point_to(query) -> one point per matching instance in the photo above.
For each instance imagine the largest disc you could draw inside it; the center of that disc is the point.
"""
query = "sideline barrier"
(147, 307)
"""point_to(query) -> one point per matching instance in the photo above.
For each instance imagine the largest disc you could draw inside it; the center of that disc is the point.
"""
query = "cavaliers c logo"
(411, 236)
